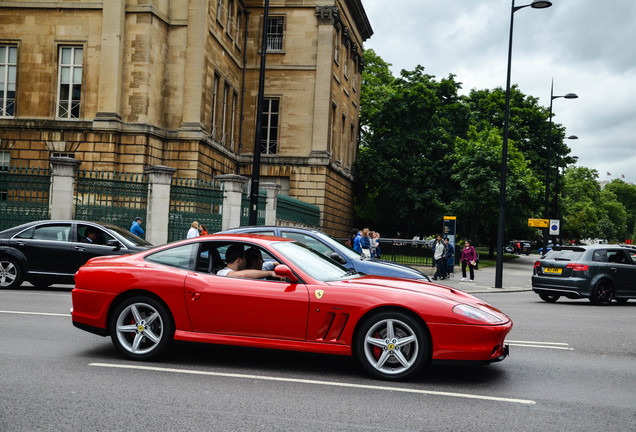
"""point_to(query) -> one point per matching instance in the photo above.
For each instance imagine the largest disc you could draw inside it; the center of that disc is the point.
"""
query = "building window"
(215, 93)
(275, 34)
(233, 120)
(69, 90)
(269, 127)
(342, 139)
(218, 10)
(230, 11)
(226, 90)
(346, 63)
(237, 35)
(336, 50)
(5, 160)
(8, 66)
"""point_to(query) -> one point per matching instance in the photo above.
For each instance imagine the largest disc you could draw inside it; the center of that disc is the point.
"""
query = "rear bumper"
(567, 287)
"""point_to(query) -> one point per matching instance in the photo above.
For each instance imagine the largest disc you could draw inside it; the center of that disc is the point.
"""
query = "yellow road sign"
(539, 223)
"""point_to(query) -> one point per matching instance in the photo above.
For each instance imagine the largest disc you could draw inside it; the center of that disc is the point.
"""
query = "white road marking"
(545, 345)
(35, 313)
(315, 382)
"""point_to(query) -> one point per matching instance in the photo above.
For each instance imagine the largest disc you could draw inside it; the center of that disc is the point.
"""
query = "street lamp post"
(256, 161)
(546, 214)
(556, 189)
(537, 4)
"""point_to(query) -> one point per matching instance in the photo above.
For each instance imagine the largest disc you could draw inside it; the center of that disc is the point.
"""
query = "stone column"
(232, 185)
(111, 65)
(158, 209)
(272, 190)
(63, 171)
(194, 85)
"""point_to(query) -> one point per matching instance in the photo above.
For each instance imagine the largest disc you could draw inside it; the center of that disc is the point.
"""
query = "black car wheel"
(391, 346)
(141, 328)
(10, 273)
(602, 293)
(550, 298)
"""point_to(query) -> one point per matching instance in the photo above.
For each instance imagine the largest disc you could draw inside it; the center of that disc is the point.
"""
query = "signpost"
(539, 223)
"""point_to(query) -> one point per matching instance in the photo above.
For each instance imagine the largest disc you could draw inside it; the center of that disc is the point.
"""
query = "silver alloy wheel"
(139, 328)
(391, 346)
(8, 273)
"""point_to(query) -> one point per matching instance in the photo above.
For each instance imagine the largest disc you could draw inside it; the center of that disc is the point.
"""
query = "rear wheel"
(550, 298)
(602, 293)
(141, 328)
(392, 346)
(10, 273)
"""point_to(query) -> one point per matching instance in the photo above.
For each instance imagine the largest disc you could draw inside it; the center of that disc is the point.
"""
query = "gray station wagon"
(601, 273)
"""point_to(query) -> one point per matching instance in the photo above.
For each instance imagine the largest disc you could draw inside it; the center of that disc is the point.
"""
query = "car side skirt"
(281, 344)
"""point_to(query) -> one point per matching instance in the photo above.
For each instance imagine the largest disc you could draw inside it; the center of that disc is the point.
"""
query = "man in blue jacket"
(136, 227)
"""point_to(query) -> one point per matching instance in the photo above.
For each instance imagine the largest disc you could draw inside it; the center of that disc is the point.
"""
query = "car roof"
(271, 227)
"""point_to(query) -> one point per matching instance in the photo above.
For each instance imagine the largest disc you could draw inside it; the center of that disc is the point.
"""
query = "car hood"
(387, 268)
(440, 293)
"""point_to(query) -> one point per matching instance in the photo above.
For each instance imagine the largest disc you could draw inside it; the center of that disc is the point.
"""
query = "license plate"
(552, 270)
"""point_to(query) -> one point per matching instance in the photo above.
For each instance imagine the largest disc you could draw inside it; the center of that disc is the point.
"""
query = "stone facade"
(175, 83)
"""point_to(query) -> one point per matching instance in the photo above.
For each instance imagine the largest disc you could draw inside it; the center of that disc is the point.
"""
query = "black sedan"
(322, 243)
(51, 251)
(601, 273)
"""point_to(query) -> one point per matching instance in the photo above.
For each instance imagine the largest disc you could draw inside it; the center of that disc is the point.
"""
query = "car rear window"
(565, 254)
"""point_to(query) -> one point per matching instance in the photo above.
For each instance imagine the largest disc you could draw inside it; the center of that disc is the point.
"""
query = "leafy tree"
(626, 194)
(477, 170)
(403, 183)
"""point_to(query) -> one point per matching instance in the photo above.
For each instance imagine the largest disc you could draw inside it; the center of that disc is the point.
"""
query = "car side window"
(96, 235)
(47, 232)
(182, 257)
(308, 241)
(600, 255)
(618, 256)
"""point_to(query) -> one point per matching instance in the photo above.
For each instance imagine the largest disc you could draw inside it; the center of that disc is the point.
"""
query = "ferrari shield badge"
(319, 294)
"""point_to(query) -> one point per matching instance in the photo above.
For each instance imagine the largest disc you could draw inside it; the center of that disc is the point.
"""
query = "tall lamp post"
(546, 214)
(537, 4)
(256, 162)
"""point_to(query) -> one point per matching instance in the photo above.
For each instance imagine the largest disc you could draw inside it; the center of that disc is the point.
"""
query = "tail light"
(537, 264)
(577, 267)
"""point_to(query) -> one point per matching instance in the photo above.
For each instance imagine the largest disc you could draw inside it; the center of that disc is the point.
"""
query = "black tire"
(602, 293)
(550, 298)
(10, 273)
(391, 346)
(141, 328)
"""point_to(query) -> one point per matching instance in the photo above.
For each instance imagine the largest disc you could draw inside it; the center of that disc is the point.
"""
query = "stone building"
(124, 84)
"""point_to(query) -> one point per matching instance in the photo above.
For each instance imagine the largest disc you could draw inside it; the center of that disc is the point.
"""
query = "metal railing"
(24, 195)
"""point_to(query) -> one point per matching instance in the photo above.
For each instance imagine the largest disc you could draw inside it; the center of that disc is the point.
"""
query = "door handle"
(614, 269)
(79, 248)
(196, 296)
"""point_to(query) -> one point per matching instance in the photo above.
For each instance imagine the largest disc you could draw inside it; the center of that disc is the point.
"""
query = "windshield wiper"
(350, 272)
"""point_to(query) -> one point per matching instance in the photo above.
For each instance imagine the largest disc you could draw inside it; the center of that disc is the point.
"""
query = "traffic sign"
(539, 223)
(555, 225)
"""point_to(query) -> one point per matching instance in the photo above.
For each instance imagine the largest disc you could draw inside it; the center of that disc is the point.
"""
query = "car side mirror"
(284, 271)
(337, 258)
(115, 244)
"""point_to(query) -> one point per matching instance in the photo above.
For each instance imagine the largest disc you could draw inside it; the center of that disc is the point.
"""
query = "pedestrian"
(365, 243)
(469, 258)
(356, 242)
(136, 229)
(377, 251)
(450, 257)
(203, 230)
(439, 256)
(194, 230)
(352, 236)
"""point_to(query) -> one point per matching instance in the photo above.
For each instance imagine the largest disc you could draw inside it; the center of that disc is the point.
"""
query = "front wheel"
(602, 293)
(141, 328)
(10, 273)
(550, 298)
(391, 346)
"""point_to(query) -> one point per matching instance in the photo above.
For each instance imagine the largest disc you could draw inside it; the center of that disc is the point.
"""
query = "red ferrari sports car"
(394, 327)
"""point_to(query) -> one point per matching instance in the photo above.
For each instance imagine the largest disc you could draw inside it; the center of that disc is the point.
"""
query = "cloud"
(586, 47)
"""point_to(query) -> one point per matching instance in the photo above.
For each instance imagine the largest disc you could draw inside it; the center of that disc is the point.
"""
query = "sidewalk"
(517, 276)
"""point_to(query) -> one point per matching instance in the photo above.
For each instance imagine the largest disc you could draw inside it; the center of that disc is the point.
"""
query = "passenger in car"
(236, 265)
(254, 260)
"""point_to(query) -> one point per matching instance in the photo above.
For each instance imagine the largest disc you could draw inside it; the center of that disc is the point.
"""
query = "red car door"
(246, 307)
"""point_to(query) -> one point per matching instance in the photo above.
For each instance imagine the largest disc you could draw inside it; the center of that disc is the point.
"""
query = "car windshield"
(339, 247)
(313, 263)
(128, 238)
(564, 255)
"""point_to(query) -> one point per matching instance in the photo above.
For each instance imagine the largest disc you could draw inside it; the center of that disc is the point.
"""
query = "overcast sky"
(587, 46)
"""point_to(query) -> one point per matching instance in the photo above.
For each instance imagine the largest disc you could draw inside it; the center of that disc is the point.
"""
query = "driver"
(236, 265)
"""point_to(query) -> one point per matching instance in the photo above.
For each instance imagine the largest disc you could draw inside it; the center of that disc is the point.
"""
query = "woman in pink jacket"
(469, 257)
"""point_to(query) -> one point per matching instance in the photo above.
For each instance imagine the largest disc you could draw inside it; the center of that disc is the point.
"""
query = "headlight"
(476, 314)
